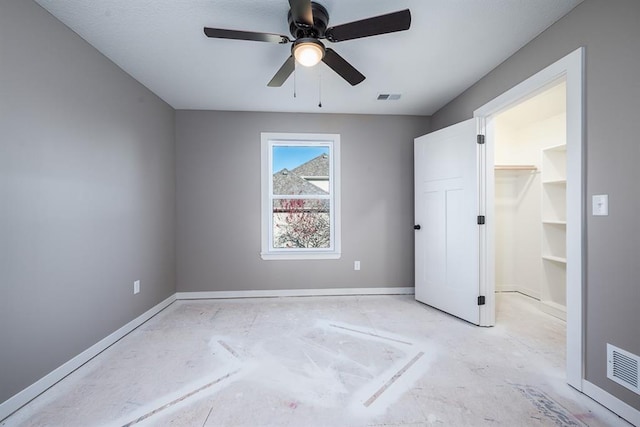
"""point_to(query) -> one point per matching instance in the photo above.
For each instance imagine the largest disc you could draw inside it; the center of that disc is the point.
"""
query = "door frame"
(571, 69)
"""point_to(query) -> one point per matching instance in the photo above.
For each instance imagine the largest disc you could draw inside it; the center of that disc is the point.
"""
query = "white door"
(447, 236)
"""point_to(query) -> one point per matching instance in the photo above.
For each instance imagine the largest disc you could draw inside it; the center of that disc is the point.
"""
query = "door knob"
(416, 227)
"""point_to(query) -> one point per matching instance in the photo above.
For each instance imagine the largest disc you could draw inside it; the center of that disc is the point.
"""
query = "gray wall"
(218, 201)
(610, 30)
(87, 205)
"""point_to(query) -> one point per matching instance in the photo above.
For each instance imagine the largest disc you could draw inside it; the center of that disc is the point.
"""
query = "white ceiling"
(450, 45)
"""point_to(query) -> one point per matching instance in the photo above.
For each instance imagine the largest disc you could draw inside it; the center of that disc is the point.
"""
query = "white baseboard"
(612, 403)
(519, 289)
(294, 293)
(530, 293)
(554, 309)
(507, 288)
(15, 402)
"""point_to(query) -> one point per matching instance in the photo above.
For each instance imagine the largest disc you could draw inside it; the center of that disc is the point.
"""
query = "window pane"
(301, 223)
(300, 170)
(300, 185)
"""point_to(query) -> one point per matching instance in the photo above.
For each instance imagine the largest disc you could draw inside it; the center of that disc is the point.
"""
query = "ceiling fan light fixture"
(308, 52)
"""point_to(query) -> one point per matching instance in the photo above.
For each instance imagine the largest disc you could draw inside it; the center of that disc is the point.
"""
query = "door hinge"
(480, 219)
(480, 139)
(481, 300)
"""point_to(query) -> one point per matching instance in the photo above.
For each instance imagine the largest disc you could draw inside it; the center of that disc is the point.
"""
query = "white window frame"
(268, 141)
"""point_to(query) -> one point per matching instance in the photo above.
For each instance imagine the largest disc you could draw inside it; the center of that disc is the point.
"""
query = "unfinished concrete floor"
(325, 361)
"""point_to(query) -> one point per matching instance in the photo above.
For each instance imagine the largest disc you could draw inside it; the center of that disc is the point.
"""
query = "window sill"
(272, 256)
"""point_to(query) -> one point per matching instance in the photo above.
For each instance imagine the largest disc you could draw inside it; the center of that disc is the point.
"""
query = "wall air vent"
(623, 367)
(389, 96)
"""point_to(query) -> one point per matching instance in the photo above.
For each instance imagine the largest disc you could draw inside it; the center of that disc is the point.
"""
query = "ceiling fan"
(308, 25)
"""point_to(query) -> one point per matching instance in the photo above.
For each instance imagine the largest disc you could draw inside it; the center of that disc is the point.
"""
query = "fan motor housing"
(320, 22)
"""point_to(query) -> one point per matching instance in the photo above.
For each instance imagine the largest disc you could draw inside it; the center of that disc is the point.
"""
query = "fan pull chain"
(295, 80)
(319, 90)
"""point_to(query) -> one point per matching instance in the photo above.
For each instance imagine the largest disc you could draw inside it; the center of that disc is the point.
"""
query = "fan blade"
(219, 33)
(301, 13)
(283, 73)
(338, 64)
(383, 24)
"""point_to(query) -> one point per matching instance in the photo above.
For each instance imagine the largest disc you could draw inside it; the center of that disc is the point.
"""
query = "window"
(300, 196)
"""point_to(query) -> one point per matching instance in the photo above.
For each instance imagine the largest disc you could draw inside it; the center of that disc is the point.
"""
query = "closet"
(530, 199)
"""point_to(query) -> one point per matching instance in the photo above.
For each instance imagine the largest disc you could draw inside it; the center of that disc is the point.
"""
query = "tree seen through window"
(301, 189)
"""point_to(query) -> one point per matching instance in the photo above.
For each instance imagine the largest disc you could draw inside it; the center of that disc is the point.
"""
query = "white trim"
(612, 403)
(571, 67)
(294, 293)
(267, 141)
(487, 276)
(553, 309)
(483, 238)
(300, 256)
(15, 402)
(527, 292)
(508, 288)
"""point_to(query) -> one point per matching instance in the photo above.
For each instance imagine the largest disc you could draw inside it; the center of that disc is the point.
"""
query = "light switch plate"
(600, 205)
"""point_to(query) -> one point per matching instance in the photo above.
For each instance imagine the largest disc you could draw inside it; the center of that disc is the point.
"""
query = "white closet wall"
(522, 134)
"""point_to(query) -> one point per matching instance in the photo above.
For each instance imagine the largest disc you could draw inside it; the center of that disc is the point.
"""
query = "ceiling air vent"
(388, 96)
(623, 368)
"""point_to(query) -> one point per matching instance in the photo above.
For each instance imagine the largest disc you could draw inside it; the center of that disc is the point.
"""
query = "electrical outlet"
(136, 287)
(356, 265)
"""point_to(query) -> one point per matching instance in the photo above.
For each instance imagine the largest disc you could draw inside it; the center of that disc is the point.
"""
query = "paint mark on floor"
(369, 333)
(208, 415)
(320, 375)
(229, 349)
(181, 399)
(548, 407)
(392, 380)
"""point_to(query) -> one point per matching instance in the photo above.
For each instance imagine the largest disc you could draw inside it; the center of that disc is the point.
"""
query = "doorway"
(469, 195)
(569, 71)
(530, 220)
(530, 178)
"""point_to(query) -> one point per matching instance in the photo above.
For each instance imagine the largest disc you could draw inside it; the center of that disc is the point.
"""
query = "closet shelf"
(555, 181)
(555, 258)
(554, 222)
(515, 168)
(559, 147)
